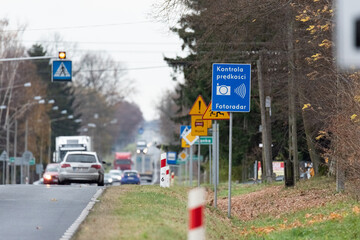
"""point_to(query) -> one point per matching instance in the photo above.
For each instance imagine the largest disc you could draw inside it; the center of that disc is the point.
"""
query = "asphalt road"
(41, 211)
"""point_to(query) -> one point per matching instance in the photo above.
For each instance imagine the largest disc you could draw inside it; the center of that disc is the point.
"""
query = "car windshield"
(130, 174)
(82, 158)
(52, 169)
(115, 173)
(120, 162)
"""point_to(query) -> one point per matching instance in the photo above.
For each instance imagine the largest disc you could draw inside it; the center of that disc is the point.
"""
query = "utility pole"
(8, 152)
(293, 146)
(340, 170)
(266, 128)
(15, 153)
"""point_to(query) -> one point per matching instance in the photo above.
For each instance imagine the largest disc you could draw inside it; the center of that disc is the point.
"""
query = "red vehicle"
(122, 161)
(51, 174)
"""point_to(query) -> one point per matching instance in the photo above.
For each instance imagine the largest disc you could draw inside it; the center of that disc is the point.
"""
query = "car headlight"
(47, 176)
(118, 178)
(110, 180)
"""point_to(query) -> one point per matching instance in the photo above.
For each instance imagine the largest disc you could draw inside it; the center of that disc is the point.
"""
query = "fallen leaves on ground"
(276, 201)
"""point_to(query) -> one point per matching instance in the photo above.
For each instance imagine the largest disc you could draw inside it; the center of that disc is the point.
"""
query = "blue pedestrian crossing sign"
(231, 87)
(61, 71)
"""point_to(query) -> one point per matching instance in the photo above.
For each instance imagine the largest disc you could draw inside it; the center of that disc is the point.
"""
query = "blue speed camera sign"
(231, 87)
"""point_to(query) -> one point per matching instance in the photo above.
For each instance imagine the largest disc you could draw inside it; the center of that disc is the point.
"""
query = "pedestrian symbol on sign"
(62, 71)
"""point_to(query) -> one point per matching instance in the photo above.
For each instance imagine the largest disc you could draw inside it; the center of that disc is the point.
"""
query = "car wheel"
(101, 182)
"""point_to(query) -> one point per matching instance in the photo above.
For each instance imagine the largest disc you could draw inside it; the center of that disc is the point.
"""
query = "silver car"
(81, 167)
(116, 175)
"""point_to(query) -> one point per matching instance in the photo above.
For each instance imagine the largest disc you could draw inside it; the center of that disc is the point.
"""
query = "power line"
(107, 69)
(104, 43)
(75, 27)
(122, 69)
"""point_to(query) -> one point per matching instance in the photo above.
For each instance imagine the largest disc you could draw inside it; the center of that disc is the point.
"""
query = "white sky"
(124, 29)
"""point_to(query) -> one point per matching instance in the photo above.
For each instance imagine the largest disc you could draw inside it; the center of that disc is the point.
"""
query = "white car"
(116, 175)
(81, 167)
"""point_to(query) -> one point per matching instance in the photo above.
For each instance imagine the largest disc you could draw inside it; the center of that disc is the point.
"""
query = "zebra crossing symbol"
(62, 70)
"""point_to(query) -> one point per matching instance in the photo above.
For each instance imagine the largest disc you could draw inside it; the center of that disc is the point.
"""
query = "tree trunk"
(266, 128)
(293, 147)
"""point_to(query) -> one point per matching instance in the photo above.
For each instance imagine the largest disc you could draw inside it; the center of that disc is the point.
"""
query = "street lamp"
(28, 84)
(9, 122)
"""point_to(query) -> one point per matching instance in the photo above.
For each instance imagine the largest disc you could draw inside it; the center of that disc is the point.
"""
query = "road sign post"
(230, 161)
(215, 172)
(231, 84)
(198, 162)
(191, 167)
(3, 158)
(198, 125)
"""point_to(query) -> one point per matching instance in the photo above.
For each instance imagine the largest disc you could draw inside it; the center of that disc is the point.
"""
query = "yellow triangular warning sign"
(210, 115)
(199, 106)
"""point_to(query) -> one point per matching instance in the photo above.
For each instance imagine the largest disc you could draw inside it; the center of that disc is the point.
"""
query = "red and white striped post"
(196, 206)
(172, 178)
(163, 170)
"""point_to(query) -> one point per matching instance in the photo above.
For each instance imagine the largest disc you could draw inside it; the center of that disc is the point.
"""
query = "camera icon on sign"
(223, 90)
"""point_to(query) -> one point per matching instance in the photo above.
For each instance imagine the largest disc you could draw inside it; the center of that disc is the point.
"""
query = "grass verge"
(151, 212)
(147, 212)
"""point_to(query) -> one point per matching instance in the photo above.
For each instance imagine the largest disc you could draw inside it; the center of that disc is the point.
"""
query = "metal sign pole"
(210, 165)
(214, 154)
(3, 172)
(142, 162)
(191, 166)
(186, 169)
(217, 154)
(198, 163)
(215, 163)
(21, 173)
(180, 174)
(230, 161)
(15, 151)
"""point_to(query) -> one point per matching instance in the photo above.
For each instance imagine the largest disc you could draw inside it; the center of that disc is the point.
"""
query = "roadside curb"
(74, 227)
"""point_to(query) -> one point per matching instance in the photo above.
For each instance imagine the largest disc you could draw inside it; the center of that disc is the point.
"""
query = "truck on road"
(64, 144)
(122, 161)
